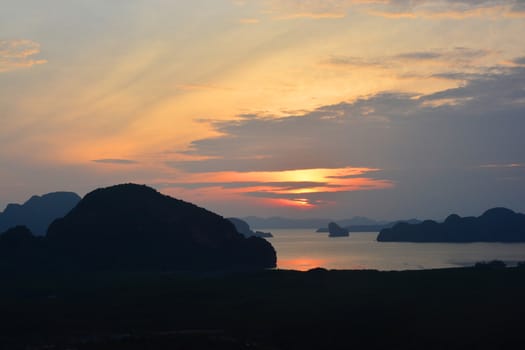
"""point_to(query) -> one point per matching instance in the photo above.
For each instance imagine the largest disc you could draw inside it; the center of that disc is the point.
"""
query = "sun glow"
(299, 175)
(292, 188)
(301, 264)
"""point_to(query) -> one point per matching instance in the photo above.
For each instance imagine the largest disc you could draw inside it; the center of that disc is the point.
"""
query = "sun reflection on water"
(301, 264)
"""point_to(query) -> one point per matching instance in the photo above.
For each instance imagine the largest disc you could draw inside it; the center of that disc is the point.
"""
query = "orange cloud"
(292, 188)
(392, 15)
(16, 54)
(192, 87)
(313, 15)
(249, 20)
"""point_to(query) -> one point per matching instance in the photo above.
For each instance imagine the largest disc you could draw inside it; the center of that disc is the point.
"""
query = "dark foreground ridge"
(468, 308)
(134, 227)
(495, 225)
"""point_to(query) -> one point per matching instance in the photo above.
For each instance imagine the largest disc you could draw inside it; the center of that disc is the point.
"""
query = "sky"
(303, 108)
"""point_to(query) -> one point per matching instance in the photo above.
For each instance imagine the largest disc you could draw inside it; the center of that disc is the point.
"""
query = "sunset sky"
(303, 108)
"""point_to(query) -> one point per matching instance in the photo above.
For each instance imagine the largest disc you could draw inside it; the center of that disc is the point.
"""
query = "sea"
(304, 249)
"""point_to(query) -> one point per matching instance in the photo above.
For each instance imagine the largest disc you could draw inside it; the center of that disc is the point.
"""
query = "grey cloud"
(481, 73)
(457, 55)
(519, 6)
(450, 8)
(456, 76)
(519, 60)
(296, 142)
(502, 90)
(393, 8)
(467, 52)
(420, 55)
(502, 166)
(387, 130)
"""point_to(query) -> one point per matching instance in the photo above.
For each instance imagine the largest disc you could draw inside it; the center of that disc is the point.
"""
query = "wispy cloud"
(16, 54)
(115, 161)
(312, 15)
(503, 166)
(353, 61)
(296, 188)
(451, 9)
(197, 87)
(457, 55)
(286, 185)
(396, 9)
(313, 9)
(249, 20)
(420, 55)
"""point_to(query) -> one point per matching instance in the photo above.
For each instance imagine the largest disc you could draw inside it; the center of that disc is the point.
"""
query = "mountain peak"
(38, 211)
(130, 225)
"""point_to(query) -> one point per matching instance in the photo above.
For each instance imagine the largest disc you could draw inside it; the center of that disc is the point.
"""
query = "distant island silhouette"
(495, 225)
(134, 227)
(38, 212)
(244, 228)
(278, 222)
(334, 230)
(370, 227)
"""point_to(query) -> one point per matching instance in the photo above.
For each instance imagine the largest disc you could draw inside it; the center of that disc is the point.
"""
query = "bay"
(302, 249)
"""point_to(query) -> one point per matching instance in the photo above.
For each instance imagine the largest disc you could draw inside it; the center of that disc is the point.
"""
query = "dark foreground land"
(437, 309)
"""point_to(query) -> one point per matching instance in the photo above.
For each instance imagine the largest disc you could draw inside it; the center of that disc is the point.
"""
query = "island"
(370, 227)
(334, 230)
(495, 225)
(244, 228)
(38, 212)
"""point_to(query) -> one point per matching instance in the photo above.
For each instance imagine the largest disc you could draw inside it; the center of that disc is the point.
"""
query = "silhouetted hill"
(243, 228)
(335, 230)
(495, 225)
(133, 226)
(38, 212)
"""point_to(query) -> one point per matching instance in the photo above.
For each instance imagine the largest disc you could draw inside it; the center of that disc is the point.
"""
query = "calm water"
(301, 249)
